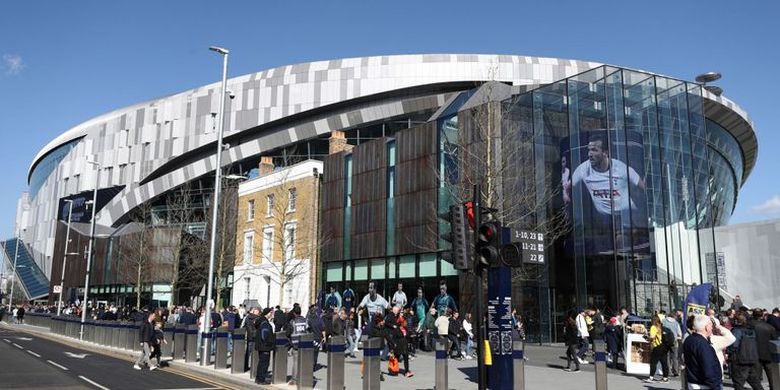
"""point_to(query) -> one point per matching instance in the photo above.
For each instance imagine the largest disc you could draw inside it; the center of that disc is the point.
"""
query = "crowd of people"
(735, 342)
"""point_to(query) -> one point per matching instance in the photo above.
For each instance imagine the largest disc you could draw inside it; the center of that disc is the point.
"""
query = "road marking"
(57, 365)
(76, 355)
(24, 338)
(33, 353)
(93, 383)
(6, 340)
(17, 345)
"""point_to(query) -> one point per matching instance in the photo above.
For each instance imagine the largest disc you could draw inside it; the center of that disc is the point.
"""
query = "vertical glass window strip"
(347, 244)
(641, 122)
(390, 232)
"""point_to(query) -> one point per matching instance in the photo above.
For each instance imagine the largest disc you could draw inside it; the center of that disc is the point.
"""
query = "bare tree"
(135, 248)
(226, 249)
(185, 211)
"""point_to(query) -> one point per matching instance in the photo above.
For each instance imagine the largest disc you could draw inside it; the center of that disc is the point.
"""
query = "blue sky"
(62, 63)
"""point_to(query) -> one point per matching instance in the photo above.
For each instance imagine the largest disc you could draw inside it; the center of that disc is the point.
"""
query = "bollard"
(208, 345)
(371, 369)
(442, 349)
(253, 361)
(305, 362)
(191, 344)
(518, 363)
(336, 348)
(166, 348)
(237, 362)
(683, 377)
(178, 341)
(774, 366)
(600, 361)
(220, 348)
(279, 373)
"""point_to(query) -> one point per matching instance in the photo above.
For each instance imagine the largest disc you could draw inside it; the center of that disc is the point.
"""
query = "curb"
(204, 374)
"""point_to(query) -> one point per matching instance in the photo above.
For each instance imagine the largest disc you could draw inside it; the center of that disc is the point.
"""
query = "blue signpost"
(499, 328)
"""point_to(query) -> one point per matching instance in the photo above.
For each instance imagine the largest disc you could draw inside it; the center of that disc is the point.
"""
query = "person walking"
(612, 332)
(582, 334)
(660, 351)
(743, 355)
(146, 338)
(670, 322)
(469, 336)
(157, 340)
(265, 340)
(399, 298)
(453, 333)
(765, 333)
(572, 340)
(702, 367)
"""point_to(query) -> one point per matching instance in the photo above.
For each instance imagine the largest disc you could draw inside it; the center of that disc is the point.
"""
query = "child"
(159, 338)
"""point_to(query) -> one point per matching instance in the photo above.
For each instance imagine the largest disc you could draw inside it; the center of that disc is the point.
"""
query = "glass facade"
(640, 177)
(620, 169)
(47, 165)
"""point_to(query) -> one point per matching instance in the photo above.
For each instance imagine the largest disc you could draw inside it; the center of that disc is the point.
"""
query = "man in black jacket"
(765, 333)
(701, 362)
(264, 343)
(146, 338)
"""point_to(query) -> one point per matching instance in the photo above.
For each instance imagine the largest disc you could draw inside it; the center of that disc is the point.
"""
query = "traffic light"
(489, 244)
(460, 253)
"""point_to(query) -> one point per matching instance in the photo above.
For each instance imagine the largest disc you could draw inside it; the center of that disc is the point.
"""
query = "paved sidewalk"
(544, 370)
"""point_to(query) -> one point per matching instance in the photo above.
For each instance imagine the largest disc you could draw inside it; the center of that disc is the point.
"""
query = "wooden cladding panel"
(332, 230)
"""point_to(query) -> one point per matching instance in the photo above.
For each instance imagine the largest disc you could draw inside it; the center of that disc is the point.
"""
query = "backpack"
(667, 338)
(392, 365)
(748, 348)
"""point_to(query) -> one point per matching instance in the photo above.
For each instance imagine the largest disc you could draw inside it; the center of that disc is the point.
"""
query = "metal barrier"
(518, 364)
(191, 344)
(600, 361)
(280, 359)
(371, 364)
(100, 331)
(305, 362)
(136, 331)
(238, 358)
(166, 348)
(129, 335)
(115, 334)
(221, 348)
(178, 341)
(442, 349)
(336, 348)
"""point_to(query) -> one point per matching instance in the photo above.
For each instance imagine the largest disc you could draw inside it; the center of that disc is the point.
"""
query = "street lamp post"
(65, 257)
(205, 356)
(89, 251)
(16, 256)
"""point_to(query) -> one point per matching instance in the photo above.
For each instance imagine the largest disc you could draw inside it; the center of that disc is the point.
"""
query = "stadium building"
(625, 172)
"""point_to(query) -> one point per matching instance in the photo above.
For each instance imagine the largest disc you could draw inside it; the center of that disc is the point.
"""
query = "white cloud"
(771, 206)
(13, 64)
